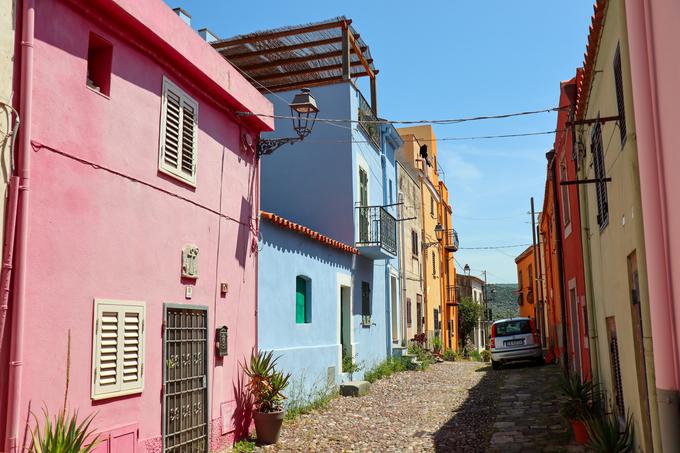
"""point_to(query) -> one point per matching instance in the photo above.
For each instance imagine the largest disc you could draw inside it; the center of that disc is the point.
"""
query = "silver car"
(514, 339)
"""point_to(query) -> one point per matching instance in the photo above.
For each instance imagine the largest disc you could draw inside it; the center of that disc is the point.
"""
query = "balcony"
(452, 295)
(377, 232)
(451, 244)
(367, 122)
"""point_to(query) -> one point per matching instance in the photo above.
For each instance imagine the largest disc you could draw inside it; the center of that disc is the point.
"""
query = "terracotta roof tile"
(594, 34)
(285, 223)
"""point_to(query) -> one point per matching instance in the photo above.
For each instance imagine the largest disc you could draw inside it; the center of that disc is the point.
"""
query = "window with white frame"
(117, 348)
(178, 141)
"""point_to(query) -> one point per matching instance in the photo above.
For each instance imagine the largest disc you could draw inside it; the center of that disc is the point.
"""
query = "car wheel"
(495, 365)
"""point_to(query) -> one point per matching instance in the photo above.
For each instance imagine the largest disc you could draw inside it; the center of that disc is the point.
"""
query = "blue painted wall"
(306, 350)
(315, 183)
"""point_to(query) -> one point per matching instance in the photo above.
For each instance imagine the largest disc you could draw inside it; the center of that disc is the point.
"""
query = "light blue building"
(339, 181)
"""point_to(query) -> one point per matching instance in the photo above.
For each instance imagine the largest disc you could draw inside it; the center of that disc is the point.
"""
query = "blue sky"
(452, 59)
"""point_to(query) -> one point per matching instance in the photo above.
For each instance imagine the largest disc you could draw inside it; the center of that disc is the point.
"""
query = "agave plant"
(608, 436)
(63, 434)
(266, 382)
(582, 397)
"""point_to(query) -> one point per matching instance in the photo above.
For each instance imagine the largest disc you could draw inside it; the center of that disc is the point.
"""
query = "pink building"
(136, 229)
(653, 35)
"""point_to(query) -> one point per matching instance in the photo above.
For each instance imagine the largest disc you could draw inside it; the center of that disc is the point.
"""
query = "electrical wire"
(384, 121)
(444, 139)
(495, 247)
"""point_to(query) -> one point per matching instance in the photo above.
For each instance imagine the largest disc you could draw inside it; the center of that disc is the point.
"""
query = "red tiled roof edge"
(594, 34)
(285, 223)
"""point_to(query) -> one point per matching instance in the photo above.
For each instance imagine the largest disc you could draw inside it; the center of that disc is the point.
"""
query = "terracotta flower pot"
(268, 426)
(580, 432)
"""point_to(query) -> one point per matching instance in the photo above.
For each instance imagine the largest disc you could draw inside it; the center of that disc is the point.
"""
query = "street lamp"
(303, 111)
(466, 270)
(438, 233)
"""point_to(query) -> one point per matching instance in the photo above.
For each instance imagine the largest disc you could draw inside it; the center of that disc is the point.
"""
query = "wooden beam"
(360, 54)
(584, 181)
(310, 83)
(346, 54)
(292, 60)
(304, 45)
(279, 34)
(604, 119)
(331, 67)
(374, 96)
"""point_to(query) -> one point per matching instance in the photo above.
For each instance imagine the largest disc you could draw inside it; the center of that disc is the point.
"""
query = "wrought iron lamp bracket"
(268, 146)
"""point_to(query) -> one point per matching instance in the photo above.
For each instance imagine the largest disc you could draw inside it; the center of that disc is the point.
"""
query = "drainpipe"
(402, 268)
(24, 167)
(8, 250)
(560, 267)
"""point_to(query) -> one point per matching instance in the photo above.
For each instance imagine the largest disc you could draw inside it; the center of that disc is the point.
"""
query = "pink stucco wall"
(115, 230)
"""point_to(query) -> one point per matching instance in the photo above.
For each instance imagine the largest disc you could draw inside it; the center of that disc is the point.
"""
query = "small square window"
(99, 54)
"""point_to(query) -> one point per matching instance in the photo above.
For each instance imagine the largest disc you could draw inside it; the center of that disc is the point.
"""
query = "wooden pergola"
(301, 56)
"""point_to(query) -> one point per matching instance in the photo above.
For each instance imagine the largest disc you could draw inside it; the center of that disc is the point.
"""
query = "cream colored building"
(614, 248)
(410, 228)
(430, 248)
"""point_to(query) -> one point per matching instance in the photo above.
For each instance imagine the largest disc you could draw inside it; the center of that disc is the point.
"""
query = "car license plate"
(514, 342)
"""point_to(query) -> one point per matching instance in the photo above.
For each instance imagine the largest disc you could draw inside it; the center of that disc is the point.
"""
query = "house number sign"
(221, 341)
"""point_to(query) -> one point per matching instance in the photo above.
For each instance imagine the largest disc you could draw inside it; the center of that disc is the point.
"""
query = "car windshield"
(519, 327)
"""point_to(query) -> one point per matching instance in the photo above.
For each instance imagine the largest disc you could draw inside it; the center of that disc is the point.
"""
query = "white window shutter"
(132, 358)
(118, 348)
(179, 145)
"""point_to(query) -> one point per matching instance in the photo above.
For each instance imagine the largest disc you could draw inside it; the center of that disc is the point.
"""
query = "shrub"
(486, 355)
(581, 398)
(450, 355)
(476, 356)
(63, 434)
(244, 446)
(350, 366)
(266, 383)
(319, 400)
(436, 345)
(606, 435)
(387, 368)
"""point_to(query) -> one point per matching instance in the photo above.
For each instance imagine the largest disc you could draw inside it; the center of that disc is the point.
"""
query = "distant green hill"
(502, 302)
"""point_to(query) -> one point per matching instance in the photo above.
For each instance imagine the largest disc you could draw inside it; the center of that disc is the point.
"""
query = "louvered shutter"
(179, 119)
(132, 350)
(118, 348)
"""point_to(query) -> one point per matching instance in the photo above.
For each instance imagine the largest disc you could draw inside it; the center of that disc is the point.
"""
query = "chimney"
(186, 17)
(207, 35)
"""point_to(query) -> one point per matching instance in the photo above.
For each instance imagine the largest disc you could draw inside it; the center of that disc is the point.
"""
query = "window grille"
(600, 185)
(616, 368)
(408, 313)
(185, 380)
(366, 304)
(618, 81)
(179, 118)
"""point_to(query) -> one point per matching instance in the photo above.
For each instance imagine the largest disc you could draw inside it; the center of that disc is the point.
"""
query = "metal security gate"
(185, 379)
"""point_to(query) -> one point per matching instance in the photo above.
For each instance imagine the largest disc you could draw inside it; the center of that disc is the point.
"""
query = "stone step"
(354, 388)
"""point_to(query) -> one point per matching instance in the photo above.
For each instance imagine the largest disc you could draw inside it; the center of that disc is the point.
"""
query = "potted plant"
(578, 405)
(266, 386)
(609, 435)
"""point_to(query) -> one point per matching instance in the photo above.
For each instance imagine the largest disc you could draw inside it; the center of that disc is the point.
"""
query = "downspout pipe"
(24, 171)
(560, 266)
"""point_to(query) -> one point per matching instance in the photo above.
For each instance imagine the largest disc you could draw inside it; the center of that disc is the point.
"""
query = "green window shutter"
(300, 300)
(365, 303)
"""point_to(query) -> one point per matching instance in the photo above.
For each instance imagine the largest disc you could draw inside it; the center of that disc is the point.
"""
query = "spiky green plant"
(63, 433)
(266, 383)
(608, 436)
(581, 397)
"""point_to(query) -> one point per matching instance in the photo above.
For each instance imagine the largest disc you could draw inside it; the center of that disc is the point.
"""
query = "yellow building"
(611, 218)
(436, 240)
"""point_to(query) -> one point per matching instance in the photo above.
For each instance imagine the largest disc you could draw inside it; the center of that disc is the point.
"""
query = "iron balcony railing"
(377, 227)
(452, 240)
(367, 121)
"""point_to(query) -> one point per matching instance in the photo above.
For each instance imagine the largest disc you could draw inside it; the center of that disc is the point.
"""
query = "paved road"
(451, 407)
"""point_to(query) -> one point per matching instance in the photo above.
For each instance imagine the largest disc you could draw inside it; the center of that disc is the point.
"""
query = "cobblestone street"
(514, 409)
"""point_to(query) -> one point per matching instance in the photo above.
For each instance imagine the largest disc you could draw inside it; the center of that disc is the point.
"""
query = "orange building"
(526, 283)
